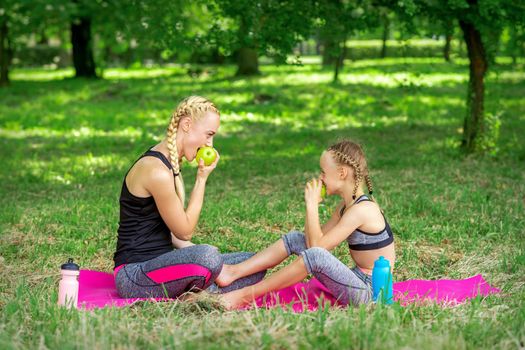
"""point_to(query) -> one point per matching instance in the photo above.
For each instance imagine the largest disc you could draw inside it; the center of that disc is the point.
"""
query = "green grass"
(67, 143)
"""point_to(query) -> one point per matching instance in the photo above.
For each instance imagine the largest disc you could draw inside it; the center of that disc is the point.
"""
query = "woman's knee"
(209, 257)
(294, 242)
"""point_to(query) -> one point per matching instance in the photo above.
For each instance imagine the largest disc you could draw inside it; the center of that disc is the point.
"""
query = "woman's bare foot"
(227, 275)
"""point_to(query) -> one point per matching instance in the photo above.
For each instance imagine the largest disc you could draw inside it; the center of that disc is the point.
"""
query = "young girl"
(153, 219)
(357, 219)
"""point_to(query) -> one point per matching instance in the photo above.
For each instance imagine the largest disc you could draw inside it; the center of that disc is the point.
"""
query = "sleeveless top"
(360, 240)
(142, 234)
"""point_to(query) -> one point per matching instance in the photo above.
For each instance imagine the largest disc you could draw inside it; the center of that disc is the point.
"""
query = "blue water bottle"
(382, 281)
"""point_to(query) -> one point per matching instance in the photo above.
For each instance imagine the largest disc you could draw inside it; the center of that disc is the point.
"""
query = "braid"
(172, 142)
(369, 184)
(351, 154)
(193, 107)
(346, 159)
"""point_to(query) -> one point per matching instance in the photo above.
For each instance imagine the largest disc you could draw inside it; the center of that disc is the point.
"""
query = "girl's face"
(200, 133)
(330, 174)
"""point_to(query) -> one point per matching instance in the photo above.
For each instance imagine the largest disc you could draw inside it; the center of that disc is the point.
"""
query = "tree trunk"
(329, 46)
(340, 60)
(4, 54)
(449, 30)
(386, 32)
(82, 48)
(446, 49)
(473, 127)
(318, 43)
(513, 45)
(216, 56)
(247, 61)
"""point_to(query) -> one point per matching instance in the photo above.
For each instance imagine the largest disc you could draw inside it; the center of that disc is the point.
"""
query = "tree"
(5, 51)
(479, 20)
(252, 28)
(82, 41)
(339, 20)
(18, 20)
(449, 31)
(386, 22)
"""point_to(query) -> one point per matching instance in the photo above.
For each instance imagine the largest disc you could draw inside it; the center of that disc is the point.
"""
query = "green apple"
(323, 191)
(208, 154)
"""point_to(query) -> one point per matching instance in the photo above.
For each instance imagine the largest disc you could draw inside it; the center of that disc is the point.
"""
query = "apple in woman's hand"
(208, 154)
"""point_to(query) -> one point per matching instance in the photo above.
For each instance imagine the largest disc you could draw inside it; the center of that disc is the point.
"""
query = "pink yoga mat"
(97, 290)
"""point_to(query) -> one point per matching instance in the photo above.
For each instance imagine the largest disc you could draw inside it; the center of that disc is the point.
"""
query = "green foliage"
(272, 28)
(490, 17)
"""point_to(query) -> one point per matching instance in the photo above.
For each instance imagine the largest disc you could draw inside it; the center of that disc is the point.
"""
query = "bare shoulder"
(365, 209)
(148, 173)
(155, 171)
(369, 213)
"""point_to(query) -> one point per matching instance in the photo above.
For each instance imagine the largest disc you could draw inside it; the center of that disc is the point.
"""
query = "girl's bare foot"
(203, 298)
(236, 299)
(227, 275)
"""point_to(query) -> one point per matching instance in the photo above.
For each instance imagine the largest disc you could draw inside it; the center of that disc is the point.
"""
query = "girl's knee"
(294, 242)
(315, 259)
(317, 252)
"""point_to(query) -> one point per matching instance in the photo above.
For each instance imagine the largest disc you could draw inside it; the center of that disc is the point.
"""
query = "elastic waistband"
(362, 276)
(117, 269)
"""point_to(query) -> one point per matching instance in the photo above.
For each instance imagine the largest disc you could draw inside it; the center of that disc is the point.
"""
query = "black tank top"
(142, 234)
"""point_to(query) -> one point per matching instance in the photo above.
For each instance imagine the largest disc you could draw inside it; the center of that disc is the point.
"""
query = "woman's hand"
(312, 192)
(204, 171)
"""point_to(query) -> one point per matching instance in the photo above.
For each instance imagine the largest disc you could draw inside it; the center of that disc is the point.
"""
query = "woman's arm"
(178, 243)
(181, 222)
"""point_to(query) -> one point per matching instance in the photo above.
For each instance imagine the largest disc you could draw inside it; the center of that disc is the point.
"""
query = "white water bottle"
(68, 286)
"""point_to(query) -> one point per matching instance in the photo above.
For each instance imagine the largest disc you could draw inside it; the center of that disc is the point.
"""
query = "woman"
(153, 218)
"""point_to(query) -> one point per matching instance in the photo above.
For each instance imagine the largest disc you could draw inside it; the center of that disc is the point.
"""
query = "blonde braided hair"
(194, 107)
(350, 153)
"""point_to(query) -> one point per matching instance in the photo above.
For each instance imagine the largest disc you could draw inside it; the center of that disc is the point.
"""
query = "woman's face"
(330, 174)
(200, 133)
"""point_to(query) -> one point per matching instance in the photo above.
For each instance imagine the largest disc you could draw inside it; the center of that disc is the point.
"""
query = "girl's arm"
(327, 226)
(352, 219)
(332, 236)
(312, 198)
(334, 219)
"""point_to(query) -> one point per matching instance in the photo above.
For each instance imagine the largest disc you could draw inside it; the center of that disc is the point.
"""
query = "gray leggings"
(181, 270)
(346, 284)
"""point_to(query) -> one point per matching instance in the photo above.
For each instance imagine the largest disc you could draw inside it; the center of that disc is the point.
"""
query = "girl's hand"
(204, 171)
(312, 192)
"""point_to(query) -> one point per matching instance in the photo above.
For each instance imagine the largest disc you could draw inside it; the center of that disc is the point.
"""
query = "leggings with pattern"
(349, 286)
(181, 270)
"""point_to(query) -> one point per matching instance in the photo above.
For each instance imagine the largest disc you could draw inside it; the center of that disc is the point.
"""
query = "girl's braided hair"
(351, 154)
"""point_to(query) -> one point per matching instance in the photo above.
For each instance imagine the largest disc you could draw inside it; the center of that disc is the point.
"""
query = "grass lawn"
(66, 145)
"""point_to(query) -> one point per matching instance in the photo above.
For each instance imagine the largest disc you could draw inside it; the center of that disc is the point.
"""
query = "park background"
(433, 90)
